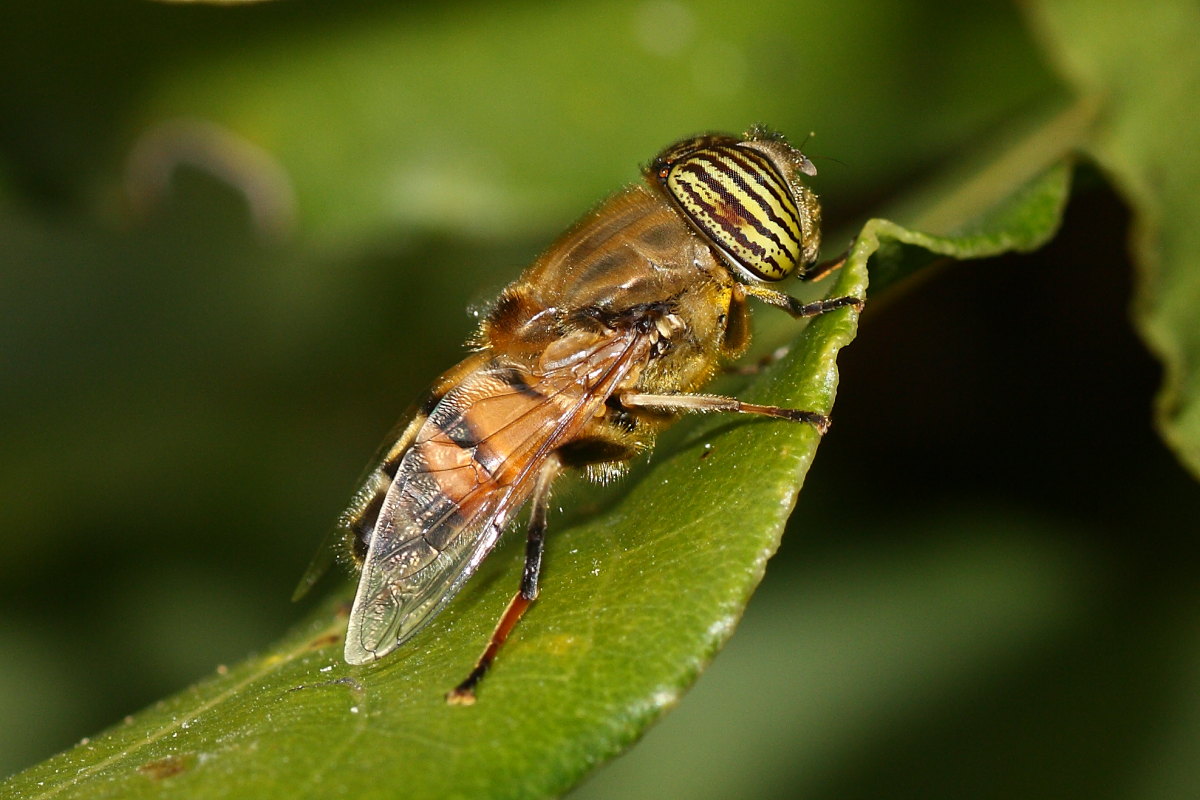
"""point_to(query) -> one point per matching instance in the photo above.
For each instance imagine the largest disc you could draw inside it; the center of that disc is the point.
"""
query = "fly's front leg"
(703, 403)
(794, 307)
(797, 309)
(464, 693)
(820, 271)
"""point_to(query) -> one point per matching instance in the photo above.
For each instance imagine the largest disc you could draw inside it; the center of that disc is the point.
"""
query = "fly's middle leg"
(703, 403)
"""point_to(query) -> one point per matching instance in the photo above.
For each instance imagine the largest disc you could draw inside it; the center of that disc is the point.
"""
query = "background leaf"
(1142, 73)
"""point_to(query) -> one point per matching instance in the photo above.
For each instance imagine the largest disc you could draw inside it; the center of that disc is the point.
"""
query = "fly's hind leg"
(703, 403)
(464, 693)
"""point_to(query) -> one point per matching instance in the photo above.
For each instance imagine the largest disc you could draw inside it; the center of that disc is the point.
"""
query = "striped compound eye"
(747, 199)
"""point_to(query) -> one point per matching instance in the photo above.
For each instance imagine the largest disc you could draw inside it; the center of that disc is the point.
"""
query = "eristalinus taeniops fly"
(601, 343)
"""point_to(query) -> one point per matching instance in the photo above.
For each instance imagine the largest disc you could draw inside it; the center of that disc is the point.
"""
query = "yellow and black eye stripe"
(739, 200)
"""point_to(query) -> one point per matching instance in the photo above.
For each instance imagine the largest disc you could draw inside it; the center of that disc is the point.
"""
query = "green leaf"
(636, 600)
(1021, 222)
(640, 592)
(1138, 66)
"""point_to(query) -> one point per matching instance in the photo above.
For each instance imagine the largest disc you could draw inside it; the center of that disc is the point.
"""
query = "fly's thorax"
(628, 256)
(747, 200)
(631, 250)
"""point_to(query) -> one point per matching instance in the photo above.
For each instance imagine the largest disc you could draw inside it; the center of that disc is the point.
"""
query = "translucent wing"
(471, 465)
(355, 524)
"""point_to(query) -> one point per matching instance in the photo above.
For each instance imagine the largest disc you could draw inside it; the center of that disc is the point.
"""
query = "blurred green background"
(235, 243)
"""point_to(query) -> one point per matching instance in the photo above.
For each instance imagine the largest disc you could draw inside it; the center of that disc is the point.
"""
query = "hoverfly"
(594, 349)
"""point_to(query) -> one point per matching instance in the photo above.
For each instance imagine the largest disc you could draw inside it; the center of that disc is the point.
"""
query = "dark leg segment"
(464, 693)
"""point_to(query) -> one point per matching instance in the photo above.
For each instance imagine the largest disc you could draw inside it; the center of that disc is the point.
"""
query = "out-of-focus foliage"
(1140, 71)
(993, 556)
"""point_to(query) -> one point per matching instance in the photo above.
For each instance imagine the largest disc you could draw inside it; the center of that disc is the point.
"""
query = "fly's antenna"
(804, 144)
